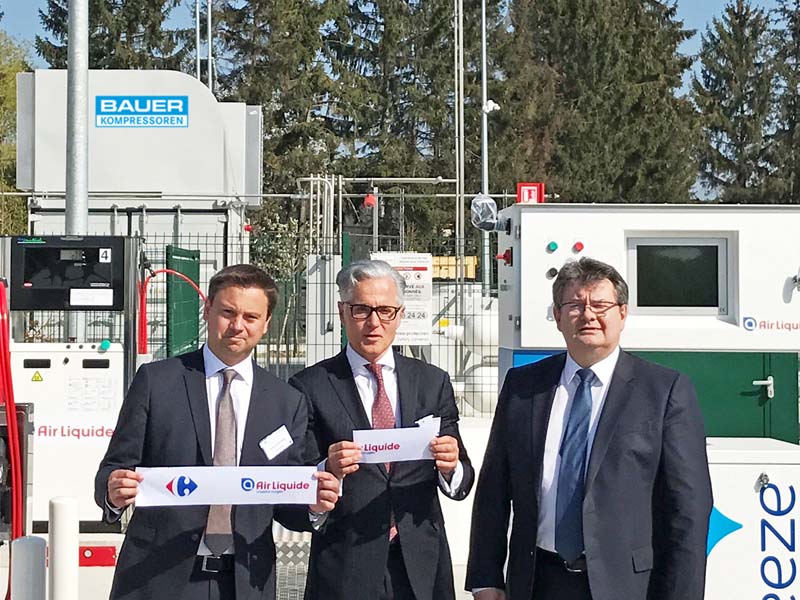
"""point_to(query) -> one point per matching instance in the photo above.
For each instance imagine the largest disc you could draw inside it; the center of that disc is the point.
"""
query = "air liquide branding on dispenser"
(141, 111)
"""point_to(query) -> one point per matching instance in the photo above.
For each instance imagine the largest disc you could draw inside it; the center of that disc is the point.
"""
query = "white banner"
(397, 445)
(190, 486)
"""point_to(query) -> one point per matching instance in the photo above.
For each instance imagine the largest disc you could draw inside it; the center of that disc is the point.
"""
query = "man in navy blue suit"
(173, 416)
(602, 457)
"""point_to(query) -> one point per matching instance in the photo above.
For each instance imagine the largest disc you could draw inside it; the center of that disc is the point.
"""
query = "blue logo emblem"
(719, 527)
(181, 486)
(248, 484)
(749, 323)
(141, 111)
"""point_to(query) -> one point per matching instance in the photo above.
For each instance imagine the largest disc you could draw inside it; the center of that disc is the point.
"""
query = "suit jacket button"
(195, 537)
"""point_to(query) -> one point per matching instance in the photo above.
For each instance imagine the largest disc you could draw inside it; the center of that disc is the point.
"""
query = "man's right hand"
(343, 458)
(123, 485)
(489, 594)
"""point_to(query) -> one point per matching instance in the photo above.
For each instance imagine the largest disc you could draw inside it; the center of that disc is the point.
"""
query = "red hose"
(141, 342)
(7, 398)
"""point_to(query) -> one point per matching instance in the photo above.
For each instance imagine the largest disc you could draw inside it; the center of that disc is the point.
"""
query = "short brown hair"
(244, 276)
(587, 271)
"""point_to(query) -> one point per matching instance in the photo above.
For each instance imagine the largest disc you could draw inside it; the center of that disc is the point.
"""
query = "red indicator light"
(578, 246)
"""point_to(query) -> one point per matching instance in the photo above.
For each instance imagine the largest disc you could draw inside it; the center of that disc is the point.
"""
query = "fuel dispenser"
(73, 379)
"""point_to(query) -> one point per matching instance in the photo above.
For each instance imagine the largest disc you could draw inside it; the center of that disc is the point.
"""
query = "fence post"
(63, 576)
(28, 569)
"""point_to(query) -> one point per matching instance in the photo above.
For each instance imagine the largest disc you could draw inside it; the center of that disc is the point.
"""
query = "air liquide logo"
(141, 111)
(273, 487)
(752, 324)
(181, 486)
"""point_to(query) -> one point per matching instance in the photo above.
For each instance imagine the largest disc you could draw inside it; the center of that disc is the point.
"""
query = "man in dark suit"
(385, 540)
(602, 457)
(212, 406)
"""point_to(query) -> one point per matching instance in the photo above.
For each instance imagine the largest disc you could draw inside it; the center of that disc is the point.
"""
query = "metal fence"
(305, 325)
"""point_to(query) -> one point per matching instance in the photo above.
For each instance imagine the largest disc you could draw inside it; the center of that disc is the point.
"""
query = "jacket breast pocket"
(642, 559)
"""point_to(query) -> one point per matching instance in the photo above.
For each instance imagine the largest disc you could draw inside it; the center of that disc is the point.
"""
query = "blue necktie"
(569, 498)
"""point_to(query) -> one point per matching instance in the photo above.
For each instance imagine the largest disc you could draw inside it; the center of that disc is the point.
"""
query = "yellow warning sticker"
(37, 377)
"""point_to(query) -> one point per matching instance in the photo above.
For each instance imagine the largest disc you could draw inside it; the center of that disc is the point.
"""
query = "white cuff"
(452, 488)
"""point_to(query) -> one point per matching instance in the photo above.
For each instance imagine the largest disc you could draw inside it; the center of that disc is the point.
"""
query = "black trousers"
(396, 585)
(553, 581)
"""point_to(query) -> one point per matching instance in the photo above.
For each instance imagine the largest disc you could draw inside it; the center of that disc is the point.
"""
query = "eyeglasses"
(362, 312)
(599, 308)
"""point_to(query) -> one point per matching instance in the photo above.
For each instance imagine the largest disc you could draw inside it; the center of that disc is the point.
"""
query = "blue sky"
(22, 22)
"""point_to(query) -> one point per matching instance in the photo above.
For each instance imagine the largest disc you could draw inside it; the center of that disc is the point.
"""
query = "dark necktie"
(569, 498)
(382, 418)
(219, 530)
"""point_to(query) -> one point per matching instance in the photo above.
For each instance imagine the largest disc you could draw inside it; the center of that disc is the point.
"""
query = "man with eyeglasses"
(602, 456)
(385, 540)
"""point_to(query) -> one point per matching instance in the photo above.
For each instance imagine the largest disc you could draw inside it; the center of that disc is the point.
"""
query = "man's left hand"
(445, 453)
(327, 492)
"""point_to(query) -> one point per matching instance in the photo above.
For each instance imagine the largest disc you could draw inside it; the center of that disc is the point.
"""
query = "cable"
(141, 342)
(7, 399)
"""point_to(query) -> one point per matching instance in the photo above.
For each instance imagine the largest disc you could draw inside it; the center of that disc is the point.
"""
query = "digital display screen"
(47, 268)
(677, 275)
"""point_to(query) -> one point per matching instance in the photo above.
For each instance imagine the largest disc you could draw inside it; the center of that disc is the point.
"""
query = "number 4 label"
(105, 255)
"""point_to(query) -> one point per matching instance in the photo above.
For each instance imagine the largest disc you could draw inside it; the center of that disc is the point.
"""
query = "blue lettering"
(788, 545)
(777, 511)
(778, 583)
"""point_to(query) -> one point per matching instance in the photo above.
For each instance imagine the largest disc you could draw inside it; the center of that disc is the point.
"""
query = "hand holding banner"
(192, 486)
(397, 445)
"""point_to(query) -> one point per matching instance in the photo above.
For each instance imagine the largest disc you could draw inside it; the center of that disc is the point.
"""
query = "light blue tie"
(569, 498)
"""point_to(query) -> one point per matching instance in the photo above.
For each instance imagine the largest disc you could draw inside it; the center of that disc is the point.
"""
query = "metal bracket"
(769, 382)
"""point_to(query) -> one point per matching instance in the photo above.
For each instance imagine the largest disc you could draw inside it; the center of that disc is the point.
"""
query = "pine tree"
(123, 34)
(734, 95)
(271, 57)
(602, 122)
(785, 155)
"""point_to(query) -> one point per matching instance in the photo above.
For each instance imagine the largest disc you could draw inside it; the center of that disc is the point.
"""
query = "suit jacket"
(164, 421)
(348, 559)
(647, 497)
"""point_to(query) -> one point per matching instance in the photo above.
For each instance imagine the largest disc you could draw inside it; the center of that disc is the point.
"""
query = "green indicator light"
(105, 345)
(552, 247)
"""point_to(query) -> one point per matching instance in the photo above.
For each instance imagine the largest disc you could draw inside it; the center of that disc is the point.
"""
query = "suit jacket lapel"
(343, 383)
(406, 390)
(616, 400)
(544, 392)
(195, 379)
(260, 420)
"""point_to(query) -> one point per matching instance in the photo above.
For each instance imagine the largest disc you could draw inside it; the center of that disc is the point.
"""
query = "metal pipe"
(341, 228)
(371, 180)
(197, 37)
(28, 570)
(210, 49)
(487, 268)
(375, 245)
(460, 193)
(77, 175)
(63, 572)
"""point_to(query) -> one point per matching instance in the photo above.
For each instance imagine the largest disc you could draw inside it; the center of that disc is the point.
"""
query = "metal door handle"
(770, 383)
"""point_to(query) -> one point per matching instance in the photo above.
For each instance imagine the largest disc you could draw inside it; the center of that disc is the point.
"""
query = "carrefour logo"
(181, 486)
(141, 111)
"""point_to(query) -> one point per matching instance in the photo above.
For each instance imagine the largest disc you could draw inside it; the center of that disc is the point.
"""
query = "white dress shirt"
(241, 389)
(367, 387)
(556, 428)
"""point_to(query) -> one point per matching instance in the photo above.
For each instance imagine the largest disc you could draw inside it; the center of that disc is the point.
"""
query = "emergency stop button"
(506, 257)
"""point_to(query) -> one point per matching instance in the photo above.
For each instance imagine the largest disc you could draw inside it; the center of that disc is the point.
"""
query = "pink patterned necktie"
(382, 418)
